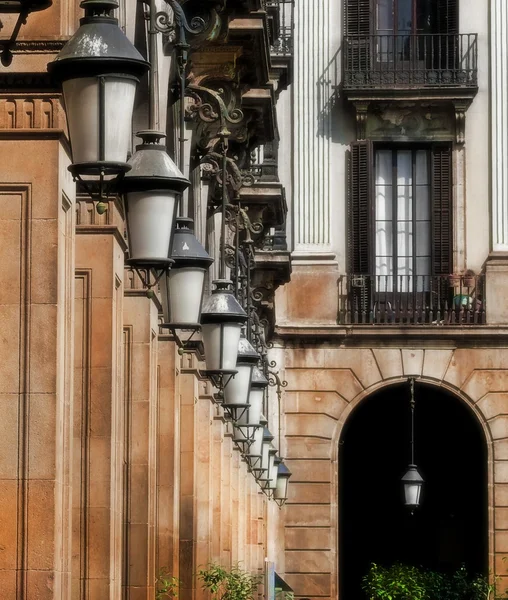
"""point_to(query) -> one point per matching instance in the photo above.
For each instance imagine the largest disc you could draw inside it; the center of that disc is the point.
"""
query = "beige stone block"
(8, 523)
(187, 473)
(136, 312)
(308, 538)
(100, 471)
(389, 361)
(99, 588)
(10, 265)
(102, 332)
(8, 584)
(99, 532)
(342, 381)
(140, 494)
(466, 360)
(362, 363)
(140, 432)
(305, 358)
(309, 493)
(329, 403)
(501, 518)
(42, 526)
(40, 585)
(96, 252)
(482, 382)
(290, 401)
(304, 561)
(501, 471)
(43, 348)
(501, 449)
(492, 405)
(9, 349)
(308, 447)
(100, 401)
(435, 363)
(317, 425)
(141, 372)
(138, 555)
(309, 470)
(502, 586)
(499, 427)
(44, 261)
(501, 541)
(310, 584)
(412, 362)
(9, 408)
(501, 564)
(312, 295)
(501, 494)
(300, 515)
(43, 431)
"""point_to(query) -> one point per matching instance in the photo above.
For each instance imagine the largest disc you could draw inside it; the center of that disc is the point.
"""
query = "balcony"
(393, 65)
(406, 300)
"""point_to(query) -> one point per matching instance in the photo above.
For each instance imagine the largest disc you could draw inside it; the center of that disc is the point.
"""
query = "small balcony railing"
(412, 300)
(283, 34)
(407, 61)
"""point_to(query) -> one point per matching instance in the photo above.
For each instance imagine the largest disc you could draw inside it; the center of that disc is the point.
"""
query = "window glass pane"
(404, 167)
(404, 239)
(423, 266)
(384, 274)
(384, 202)
(421, 168)
(422, 203)
(384, 237)
(404, 15)
(423, 238)
(385, 15)
(404, 274)
(384, 167)
(404, 203)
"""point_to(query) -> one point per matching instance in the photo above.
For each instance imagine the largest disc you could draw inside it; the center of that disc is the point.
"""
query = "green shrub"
(229, 584)
(166, 586)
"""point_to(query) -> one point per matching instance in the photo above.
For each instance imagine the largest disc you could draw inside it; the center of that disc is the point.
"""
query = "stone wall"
(324, 385)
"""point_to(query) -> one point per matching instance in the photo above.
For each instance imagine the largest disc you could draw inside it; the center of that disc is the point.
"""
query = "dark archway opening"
(450, 529)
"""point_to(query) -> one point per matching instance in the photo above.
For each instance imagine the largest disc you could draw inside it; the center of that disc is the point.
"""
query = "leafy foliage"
(166, 586)
(228, 584)
(403, 582)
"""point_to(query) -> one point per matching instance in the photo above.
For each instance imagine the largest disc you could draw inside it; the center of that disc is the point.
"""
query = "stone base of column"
(496, 288)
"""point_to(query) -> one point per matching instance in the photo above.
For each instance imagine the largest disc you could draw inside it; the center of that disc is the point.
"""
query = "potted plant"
(229, 584)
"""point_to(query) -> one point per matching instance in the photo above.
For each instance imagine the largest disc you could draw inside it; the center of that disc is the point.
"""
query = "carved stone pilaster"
(460, 120)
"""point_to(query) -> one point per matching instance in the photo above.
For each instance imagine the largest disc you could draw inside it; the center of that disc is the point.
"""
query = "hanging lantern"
(151, 191)
(254, 447)
(236, 393)
(182, 286)
(412, 482)
(272, 480)
(265, 477)
(280, 494)
(99, 70)
(252, 416)
(222, 318)
(264, 464)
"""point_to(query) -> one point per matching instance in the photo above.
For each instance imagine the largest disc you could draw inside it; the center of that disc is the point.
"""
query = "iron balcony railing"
(283, 25)
(412, 300)
(416, 60)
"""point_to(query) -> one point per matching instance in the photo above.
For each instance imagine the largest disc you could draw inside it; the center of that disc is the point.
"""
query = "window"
(402, 219)
(400, 200)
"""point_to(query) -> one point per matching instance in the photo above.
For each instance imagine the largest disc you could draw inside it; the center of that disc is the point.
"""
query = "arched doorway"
(451, 526)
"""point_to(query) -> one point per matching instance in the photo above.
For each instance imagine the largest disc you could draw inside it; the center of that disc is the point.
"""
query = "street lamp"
(222, 318)
(151, 190)
(182, 287)
(99, 70)
(264, 464)
(280, 494)
(237, 392)
(412, 480)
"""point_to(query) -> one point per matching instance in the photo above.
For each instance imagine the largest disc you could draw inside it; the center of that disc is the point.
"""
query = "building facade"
(367, 229)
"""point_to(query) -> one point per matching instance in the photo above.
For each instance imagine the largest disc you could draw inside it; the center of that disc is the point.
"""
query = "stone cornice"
(36, 46)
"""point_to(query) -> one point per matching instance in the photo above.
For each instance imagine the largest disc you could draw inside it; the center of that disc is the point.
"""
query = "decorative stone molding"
(361, 119)
(460, 120)
(31, 111)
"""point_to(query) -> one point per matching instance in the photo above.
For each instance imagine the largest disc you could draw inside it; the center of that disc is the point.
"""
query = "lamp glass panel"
(150, 223)
(265, 456)
(237, 390)
(252, 416)
(220, 356)
(412, 493)
(257, 444)
(185, 291)
(281, 489)
(119, 105)
(81, 97)
(272, 482)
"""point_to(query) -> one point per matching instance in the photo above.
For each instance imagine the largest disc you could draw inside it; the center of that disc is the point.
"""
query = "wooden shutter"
(441, 206)
(447, 16)
(357, 42)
